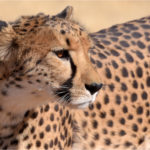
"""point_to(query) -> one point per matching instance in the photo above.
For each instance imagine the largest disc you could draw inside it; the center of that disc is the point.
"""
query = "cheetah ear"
(3, 24)
(7, 38)
(66, 13)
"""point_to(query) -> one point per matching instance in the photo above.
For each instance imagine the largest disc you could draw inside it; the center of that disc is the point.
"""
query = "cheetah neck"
(16, 97)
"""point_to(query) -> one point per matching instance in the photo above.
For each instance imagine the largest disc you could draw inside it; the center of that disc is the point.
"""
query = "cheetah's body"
(119, 119)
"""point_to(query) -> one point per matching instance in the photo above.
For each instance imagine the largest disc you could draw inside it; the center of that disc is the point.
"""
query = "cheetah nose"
(94, 87)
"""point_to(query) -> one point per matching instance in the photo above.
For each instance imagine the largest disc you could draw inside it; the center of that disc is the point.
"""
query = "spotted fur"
(119, 119)
(40, 62)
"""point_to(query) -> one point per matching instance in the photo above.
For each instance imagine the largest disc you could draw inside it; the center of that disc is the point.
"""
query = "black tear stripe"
(65, 92)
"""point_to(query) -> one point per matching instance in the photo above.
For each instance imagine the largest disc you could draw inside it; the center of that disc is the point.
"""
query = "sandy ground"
(94, 15)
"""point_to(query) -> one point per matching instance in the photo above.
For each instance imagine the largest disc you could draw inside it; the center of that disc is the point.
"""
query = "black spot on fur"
(111, 87)
(68, 42)
(122, 133)
(107, 141)
(34, 115)
(139, 54)
(141, 140)
(14, 142)
(47, 107)
(38, 143)
(130, 117)
(129, 57)
(96, 136)
(148, 81)
(124, 44)
(114, 53)
(139, 72)
(122, 121)
(102, 115)
(110, 123)
(117, 78)
(124, 87)
(124, 72)
(62, 32)
(134, 127)
(144, 95)
(52, 117)
(125, 109)
(136, 34)
(108, 73)
(127, 144)
(140, 44)
(135, 84)
(133, 97)
(4, 93)
(14, 44)
(115, 65)
(145, 26)
(106, 42)
(106, 99)
(118, 99)
(99, 64)
(41, 121)
(91, 106)
(38, 61)
(102, 56)
(139, 110)
(100, 45)
(112, 112)
(48, 128)
(98, 105)
(114, 39)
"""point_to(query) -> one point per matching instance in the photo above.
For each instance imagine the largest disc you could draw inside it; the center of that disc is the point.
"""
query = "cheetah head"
(44, 58)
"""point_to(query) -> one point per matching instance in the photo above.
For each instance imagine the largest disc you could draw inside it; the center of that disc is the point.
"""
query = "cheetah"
(41, 59)
(119, 118)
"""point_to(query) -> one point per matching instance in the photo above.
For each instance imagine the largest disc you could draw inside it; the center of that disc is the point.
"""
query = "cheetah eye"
(62, 54)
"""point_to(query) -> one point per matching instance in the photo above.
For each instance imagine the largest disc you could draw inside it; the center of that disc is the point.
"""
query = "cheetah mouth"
(82, 105)
(84, 102)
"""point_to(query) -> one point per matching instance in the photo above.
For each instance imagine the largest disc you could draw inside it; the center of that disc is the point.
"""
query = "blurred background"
(94, 15)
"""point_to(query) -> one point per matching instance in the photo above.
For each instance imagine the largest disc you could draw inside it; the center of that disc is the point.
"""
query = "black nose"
(94, 87)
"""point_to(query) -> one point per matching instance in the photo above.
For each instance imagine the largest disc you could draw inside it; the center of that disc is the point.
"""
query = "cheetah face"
(48, 56)
(67, 80)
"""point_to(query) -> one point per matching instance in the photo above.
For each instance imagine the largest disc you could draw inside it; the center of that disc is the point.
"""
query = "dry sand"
(94, 15)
